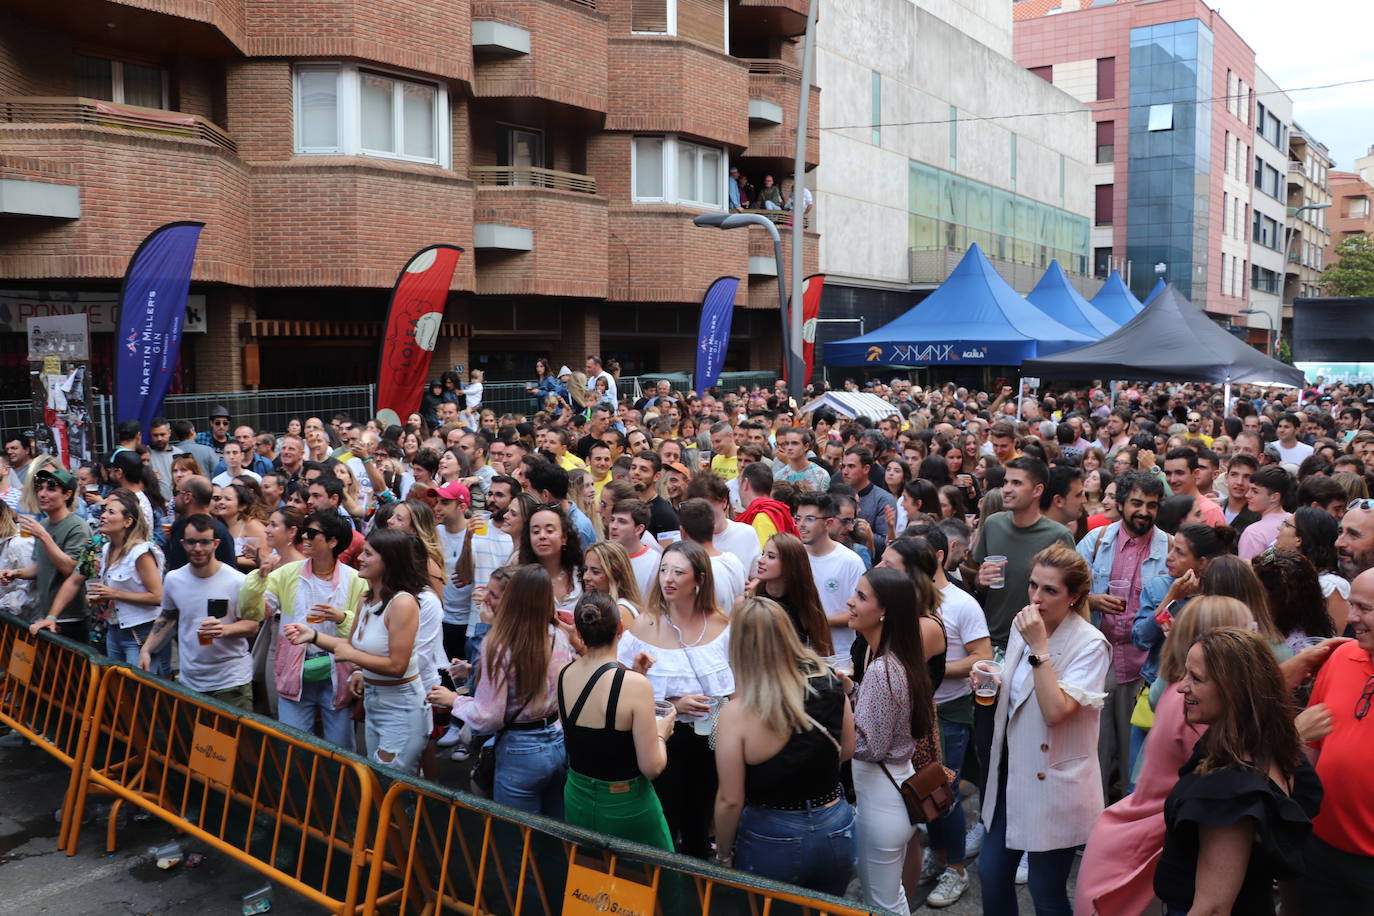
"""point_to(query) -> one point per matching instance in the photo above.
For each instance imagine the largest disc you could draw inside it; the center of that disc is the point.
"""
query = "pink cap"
(453, 490)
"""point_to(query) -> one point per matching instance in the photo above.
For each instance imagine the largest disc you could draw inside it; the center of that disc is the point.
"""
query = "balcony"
(521, 49)
(172, 165)
(774, 90)
(778, 18)
(538, 232)
(763, 270)
(657, 84)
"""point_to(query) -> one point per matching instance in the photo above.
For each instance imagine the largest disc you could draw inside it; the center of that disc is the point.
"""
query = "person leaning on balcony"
(770, 195)
(736, 201)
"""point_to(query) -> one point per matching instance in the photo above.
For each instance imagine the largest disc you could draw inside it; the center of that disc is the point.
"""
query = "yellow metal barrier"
(442, 851)
(47, 695)
(296, 809)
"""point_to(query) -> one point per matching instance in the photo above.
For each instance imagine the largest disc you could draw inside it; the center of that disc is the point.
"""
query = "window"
(1106, 141)
(1225, 213)
(1102, 211)
(1266, 281)
(1102, 262)
(1225, 274)
(1265, 231)
(357, 111)
(875, 108)
(1106, 78)
(1356, 207)
(121, 81)
(953, 138)
(657, 16)
(1161, 117)
(668, 170)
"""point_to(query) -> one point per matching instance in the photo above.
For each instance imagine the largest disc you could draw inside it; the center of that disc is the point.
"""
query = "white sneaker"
(951, 887)
(451, 736)
(1023, 869)
(930, 868)
(973, 840)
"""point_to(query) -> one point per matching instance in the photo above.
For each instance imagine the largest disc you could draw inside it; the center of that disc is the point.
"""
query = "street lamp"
(1269, 327)
(1292, 230)
(791, 357)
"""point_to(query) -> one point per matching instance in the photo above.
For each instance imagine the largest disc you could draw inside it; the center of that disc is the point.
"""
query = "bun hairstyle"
(597, 618)
(1207, 542)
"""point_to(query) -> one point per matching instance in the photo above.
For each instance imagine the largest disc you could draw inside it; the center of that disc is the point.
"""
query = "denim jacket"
(1099, 549)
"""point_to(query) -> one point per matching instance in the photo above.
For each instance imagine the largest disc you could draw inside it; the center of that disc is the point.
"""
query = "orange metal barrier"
(438, 850)
(47, 695)
(296, 809)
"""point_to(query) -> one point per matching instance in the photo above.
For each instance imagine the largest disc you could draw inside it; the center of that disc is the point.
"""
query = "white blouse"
(703, 669)
(124, 577)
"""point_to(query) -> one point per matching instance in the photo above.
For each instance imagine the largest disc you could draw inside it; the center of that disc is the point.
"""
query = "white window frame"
(348, 114)
(672, 144)
(117, 81)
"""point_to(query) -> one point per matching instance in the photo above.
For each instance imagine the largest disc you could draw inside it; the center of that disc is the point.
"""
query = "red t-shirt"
(1346, 820)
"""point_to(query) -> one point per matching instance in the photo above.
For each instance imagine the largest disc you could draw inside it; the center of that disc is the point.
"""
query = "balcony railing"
(152, 121)
(767, 66)
(778, 217)
(531, 176)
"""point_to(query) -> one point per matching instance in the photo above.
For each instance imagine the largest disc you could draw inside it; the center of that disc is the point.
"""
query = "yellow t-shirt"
(570, 462)
(601, 484)
(725, 468)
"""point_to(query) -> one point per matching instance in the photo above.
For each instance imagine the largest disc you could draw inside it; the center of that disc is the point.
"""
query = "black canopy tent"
(1172, 340)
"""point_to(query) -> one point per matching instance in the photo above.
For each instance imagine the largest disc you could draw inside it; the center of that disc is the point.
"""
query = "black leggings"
(455, 640)
(687, 790)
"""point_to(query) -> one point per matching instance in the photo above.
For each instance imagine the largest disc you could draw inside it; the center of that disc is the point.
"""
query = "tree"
(1353, 273)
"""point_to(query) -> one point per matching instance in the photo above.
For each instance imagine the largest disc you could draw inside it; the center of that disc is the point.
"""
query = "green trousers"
(629, 810)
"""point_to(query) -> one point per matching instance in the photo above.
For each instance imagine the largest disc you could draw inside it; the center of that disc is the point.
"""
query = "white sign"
(17, 306)
(62, 337)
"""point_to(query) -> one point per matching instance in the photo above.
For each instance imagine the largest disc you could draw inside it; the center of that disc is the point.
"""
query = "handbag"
(928, 793)
(482, 778)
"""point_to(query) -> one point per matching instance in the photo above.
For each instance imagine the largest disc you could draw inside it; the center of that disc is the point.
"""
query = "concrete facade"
(516, 129)
(1309, 235)
(923, 94)
(1268, 217)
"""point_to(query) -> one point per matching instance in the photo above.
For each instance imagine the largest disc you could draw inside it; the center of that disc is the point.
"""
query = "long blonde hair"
(422, 523)
(577, 482)
(771, 665)
(1200, 615)
(622, 584)
(28, 499)
(9, 522)
(136, 533)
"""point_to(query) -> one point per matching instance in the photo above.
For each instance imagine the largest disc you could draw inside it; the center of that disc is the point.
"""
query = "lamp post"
(792, 358)
(1292, 230)
(793, 332)
(1269, 329)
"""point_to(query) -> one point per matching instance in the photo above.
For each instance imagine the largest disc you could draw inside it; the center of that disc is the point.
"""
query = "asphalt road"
(37, 878)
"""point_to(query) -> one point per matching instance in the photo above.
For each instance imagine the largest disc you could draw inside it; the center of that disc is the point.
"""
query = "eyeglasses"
(811, 518)
(197, 542)
(1359, 504)
(311, 533)
(220, 422)
(1362, 704)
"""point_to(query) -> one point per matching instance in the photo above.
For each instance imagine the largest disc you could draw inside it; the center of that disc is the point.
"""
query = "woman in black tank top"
(779, 745)
(615, 742)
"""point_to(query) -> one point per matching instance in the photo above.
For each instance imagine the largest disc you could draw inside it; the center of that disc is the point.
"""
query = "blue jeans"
(530, 767)
(318, 697)
(1138, 736)
(1049, 872)
(123, 645)
(947, 831)
(814, 848)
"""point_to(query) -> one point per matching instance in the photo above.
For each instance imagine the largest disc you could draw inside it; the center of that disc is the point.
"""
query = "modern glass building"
(1170, 150)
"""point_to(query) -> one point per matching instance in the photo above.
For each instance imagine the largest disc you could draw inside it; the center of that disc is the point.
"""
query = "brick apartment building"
(1352, 207)
(1171, 86)
(565, 144)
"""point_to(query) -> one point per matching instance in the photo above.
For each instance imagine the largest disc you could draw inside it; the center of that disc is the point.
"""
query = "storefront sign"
(213, 753)
(17, 306)
(59, 337)
(591, 893)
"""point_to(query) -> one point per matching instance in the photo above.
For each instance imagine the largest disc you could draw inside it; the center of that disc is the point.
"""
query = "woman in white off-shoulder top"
(682, 644)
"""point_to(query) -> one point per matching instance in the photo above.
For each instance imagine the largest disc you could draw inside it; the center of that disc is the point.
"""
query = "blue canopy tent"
(1115, 300)
(974, 317)
(1056, 297)
(1158, 288)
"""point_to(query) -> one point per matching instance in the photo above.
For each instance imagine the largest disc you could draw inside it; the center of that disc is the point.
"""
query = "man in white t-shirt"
(451, 502)
(200, 603)
(835, 568)
(629, 519)
(728, 536)
(1291, 449)
(697, 520)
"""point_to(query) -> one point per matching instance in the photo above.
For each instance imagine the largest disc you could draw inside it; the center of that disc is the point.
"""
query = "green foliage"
(1353, 274)
(1285, 354)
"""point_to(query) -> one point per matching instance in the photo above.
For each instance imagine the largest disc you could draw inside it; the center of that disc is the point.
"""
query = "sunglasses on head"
(1359, 504)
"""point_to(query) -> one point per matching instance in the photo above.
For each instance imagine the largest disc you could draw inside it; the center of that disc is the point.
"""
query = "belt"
(820, 801)
(372, 683)
(532, 725)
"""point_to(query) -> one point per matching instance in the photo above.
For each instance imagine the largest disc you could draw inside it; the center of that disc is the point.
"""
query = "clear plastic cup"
(840, 664)
(1119, 588)
(662, 709)
(1001, 580)
(703, 724)
(986, 677)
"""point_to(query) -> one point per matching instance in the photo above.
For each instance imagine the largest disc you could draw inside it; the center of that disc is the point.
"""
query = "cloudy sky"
(1315, 42)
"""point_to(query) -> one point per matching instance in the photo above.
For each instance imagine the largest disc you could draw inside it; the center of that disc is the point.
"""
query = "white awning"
(854, 404)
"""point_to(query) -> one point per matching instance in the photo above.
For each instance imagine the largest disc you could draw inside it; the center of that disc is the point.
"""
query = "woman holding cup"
(615, 738)
(1044, 785)
(783, 574)
(682, 643)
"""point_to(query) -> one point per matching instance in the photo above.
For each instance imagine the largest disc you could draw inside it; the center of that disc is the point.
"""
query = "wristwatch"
(1035, 660)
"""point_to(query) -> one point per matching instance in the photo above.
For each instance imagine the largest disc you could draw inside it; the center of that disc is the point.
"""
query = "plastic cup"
(662, 709)
(1001, 580)
(840, 664)
(314, 616)
(205, 640)
(1119, 588)
(703, 724)
(1311, 641)
(985, 678)
(985, 696)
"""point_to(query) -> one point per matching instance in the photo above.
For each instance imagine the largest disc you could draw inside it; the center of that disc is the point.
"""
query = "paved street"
(38, 879)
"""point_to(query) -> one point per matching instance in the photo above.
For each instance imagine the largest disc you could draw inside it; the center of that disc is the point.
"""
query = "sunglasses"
(311, 533)
(49, 485)
(1362, 705)
(1365, 504)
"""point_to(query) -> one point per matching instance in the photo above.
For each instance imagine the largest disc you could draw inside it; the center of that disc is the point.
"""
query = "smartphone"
(565, 616)
(217, 607)
(447, 679)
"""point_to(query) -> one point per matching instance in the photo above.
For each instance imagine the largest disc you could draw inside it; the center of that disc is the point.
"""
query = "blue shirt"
(586, 533)
(1145, 632)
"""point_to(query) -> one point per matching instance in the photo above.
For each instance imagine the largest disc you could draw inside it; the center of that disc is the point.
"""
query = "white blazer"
(1054, 782)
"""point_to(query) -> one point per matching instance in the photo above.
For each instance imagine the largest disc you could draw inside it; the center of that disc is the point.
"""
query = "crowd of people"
(1136, 625)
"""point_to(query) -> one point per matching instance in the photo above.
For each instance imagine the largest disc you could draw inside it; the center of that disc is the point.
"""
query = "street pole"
(1288, 252)
(792, 340)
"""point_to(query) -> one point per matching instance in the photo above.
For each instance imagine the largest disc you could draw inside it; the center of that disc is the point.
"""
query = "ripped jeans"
(397, 724)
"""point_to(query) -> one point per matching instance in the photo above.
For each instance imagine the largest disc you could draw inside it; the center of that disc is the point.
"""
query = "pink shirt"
(495, 705)
(1131, 553)
(1258, 535)
(1211, 512)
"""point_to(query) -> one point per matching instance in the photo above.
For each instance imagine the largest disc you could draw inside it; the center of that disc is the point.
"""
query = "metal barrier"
(292, 807)
(47, 694)
(437, 850)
